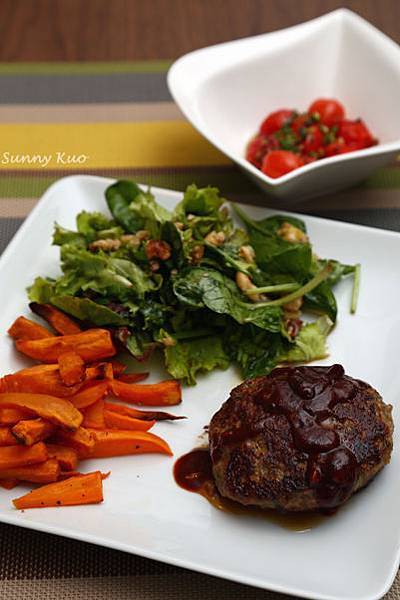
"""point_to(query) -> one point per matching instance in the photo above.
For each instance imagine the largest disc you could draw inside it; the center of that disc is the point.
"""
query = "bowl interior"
(341, 57)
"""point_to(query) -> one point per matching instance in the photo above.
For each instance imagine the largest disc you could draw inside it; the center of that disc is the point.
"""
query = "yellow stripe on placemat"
(101, 145)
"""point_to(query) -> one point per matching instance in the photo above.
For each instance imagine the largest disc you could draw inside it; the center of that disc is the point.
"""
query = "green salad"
(192, 285)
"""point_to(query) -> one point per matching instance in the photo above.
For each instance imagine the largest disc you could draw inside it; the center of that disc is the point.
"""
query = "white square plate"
(352, 555)
(228, 89)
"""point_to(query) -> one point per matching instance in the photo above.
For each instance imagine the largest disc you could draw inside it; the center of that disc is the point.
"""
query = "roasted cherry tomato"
(356, 134)
(314, 139)
(275, 121)
(330, 111)
(280, 162)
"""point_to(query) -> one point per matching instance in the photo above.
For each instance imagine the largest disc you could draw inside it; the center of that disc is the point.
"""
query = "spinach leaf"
(322, 300)
(185, 359)
(171, 234)
(199, 286)
(274, 223)
(88, 310)
(255, 351)
(275, 255)
(119, 196)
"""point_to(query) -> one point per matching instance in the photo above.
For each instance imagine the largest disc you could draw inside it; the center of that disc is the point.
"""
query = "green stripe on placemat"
(227, 179)
(84, 68)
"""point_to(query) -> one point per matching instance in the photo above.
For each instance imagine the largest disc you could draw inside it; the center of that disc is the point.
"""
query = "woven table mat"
(121, 116)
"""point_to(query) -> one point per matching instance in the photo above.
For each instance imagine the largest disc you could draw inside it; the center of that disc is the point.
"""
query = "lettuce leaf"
(185, 359)
(310, 343)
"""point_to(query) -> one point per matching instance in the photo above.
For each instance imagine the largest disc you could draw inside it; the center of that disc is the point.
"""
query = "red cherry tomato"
(314, 139)
(275, 121)
(330, 111)
(298, 123)
(258, 148)
(280, 162)
(356, 134)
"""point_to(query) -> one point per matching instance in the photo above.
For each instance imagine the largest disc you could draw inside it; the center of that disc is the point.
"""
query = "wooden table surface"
(114, 30)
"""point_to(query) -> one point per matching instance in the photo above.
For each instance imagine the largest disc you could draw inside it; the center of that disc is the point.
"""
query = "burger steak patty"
(299, 439)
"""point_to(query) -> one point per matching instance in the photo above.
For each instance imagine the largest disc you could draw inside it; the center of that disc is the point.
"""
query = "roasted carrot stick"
(81, 440)
(62, 323)
(25, 329)
(40, 379)
(44, 472)
(115, 420)
(67, 457)
(72, 368)
(6, 437)
(56, 410)
(10, 416)
(114, 442)
(86, 489)
(165, 393)
(94, 416)
(33, 430)
(144, 415)
(91, 345)
(131, 377)
(92, 392)
(9, 483)
(19, 456)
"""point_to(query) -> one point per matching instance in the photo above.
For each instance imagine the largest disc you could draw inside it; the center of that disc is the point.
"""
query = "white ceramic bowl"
(227, 90)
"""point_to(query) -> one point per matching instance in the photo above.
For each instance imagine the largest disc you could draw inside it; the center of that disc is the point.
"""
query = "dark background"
(114, 30)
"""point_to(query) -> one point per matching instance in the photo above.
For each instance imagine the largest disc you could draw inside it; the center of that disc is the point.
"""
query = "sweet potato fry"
(165, 393)
(132, 377)
(61, 322)
(97, 370)
(115, 420)
(81, 440)
(86, 489)
(67, 457)
(118, 368)
(20, 456)
(66, 474)
(44, 472)
(25, 329)
(9, 483)
(72, 368)
(30, 431)
(108, 371)
(112, 442)
(56, 410)
(10, 416)
(91, 393)
(40, 379)
(144, 415)
(6, 437)
(94, 416)
(91, 345)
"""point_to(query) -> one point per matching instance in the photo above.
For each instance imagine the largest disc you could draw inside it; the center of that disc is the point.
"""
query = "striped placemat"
(118, 119)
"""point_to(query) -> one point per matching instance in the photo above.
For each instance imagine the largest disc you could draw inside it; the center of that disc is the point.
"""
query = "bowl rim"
(343, 13)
